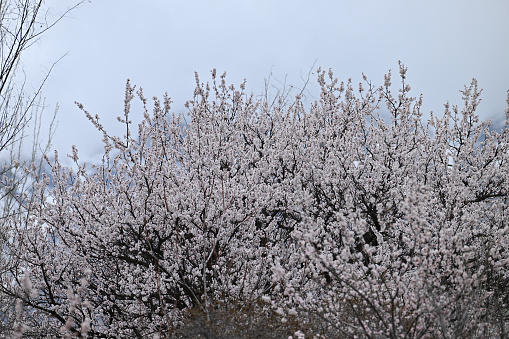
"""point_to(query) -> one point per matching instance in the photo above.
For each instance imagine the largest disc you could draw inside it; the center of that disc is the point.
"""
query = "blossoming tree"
(355, 216)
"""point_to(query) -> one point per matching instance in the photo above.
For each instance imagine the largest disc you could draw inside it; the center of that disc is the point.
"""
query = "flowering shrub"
(355, 216)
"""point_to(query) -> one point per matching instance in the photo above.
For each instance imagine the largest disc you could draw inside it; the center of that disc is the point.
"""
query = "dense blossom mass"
(355, 217)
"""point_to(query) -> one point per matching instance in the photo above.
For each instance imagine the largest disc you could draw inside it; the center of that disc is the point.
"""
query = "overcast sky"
(159, 44)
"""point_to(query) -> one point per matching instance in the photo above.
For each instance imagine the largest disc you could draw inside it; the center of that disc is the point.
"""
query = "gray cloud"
(161, 43)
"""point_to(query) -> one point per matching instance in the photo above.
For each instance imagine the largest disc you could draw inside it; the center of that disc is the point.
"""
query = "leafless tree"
(22, 23)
